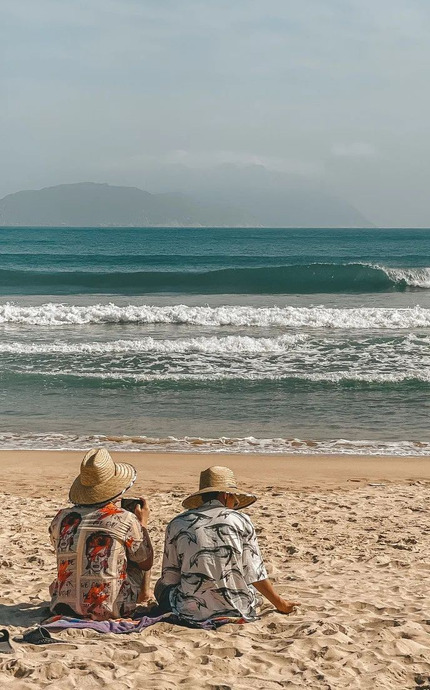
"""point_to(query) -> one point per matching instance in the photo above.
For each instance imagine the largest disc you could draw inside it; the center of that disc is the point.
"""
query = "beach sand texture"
(348, 537)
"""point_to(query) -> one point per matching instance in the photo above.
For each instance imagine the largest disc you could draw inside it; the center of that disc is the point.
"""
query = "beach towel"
(129, 625)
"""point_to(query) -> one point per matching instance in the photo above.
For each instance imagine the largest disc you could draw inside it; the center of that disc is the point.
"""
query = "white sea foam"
(414, 277)
(57, 314)
(188, 444)
(205, 345)
(306, 357)
(264, 374)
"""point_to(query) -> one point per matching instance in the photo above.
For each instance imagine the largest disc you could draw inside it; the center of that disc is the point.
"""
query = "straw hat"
(221, 480)
(100, 478)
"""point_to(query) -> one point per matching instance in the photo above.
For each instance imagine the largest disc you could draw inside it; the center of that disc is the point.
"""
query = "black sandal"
(39, 636)
(5, 645)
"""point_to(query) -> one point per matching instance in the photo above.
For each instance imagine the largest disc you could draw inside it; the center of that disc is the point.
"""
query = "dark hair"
(210, 496)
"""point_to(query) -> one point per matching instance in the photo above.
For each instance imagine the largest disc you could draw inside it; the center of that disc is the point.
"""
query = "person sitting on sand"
(104, 552)
(212, 563)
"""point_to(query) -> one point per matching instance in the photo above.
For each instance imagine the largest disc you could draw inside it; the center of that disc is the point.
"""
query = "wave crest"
(287, 279)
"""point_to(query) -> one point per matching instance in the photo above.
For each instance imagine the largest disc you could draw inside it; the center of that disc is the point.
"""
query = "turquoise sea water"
(246, 339)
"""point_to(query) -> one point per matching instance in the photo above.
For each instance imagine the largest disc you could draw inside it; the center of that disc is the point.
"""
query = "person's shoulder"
(62, 511)
(60, 514)
(235, 519)
(244, 517)
(184, 519)
(244, 521)
(181, 517)
(126, 517)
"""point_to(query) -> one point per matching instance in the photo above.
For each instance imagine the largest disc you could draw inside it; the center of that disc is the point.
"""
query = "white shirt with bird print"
(212, 555)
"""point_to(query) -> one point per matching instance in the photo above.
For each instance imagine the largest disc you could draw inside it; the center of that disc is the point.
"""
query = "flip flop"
(5, 645)
(39, 636)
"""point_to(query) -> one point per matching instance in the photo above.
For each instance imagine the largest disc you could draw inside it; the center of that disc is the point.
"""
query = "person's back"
(215, 552)
(103, 552)
(212, 564)
(93, 546)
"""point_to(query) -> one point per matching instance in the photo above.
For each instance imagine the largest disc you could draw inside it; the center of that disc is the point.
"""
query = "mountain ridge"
(93, 204)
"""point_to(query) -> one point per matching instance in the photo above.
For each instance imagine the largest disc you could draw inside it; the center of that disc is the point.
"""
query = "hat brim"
(196, 500)
(124, 477)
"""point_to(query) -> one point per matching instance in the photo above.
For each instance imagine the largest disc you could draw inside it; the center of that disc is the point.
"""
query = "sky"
(333, 91)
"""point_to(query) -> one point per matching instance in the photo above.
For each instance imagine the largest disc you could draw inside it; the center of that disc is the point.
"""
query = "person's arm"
(171, 566)
(142, 514)
(255, 572)
(139, 548)
(266, 588)
(146, 593)
(53, 530)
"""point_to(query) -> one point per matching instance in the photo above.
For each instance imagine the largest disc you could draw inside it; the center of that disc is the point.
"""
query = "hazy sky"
(335, 90)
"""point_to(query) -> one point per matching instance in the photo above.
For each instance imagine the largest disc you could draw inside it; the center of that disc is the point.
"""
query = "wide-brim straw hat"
(220, 480)
(100, 478)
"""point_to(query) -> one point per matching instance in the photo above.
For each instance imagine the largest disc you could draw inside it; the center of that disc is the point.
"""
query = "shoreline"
(23, 470)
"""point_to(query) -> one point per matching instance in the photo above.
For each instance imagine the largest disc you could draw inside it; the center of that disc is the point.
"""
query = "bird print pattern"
(212, 557)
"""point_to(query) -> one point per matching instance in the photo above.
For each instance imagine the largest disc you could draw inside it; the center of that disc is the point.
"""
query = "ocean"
(251, 340)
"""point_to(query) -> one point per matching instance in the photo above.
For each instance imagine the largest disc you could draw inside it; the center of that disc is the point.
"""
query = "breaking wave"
(287, 279)
(55, 314)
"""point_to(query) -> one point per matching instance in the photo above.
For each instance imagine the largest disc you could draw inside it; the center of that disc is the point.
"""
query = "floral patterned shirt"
(212, 556)
(95, 547)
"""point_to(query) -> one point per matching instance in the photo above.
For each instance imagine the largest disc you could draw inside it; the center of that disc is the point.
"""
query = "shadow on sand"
(24, 614)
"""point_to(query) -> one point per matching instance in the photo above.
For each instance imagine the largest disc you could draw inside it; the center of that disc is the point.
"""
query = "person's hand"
(142, 513)
(284, 606)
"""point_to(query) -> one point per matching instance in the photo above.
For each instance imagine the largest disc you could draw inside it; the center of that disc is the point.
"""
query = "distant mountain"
(221, 197)
(274, 199)
(87, 204)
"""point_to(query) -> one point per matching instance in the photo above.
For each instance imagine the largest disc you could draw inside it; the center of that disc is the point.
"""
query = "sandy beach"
(349, 537)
